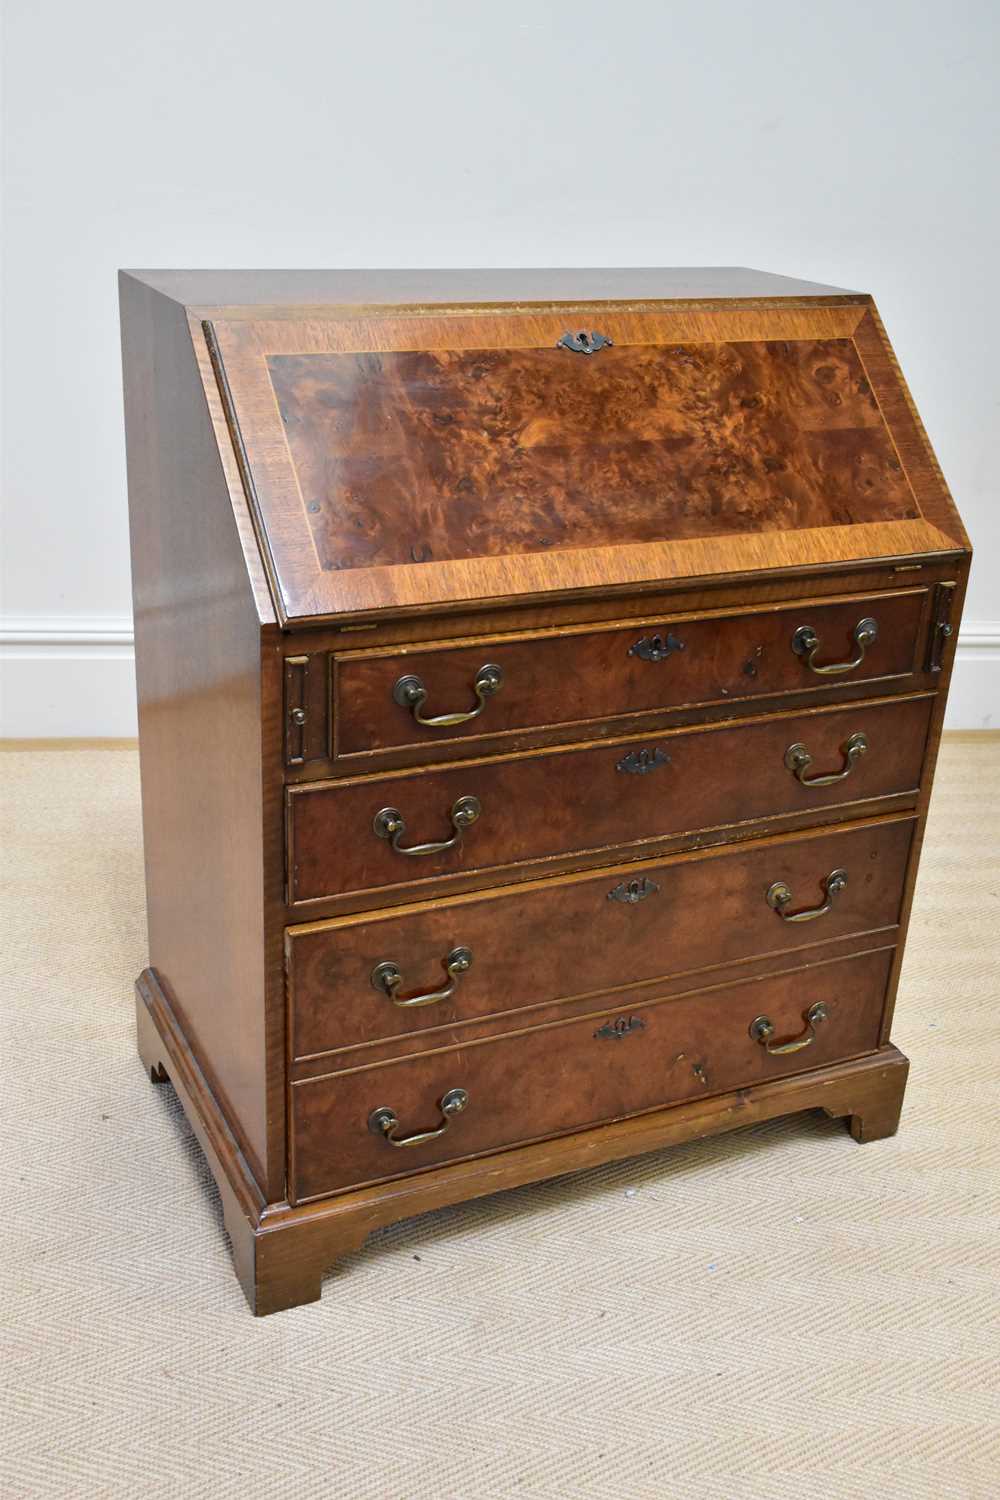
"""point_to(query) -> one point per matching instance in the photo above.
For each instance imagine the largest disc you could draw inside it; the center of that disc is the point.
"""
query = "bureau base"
(281, 1253)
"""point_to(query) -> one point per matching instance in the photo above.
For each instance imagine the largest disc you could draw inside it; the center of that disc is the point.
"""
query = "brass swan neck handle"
(389, 824)
(410, 692)
(807, 644)
(385, 1122)
(798, 760)
(779, 896)
(762, 1029)
(387, 978)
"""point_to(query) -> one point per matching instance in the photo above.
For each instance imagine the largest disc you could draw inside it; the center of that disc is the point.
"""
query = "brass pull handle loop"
(762, 1029)
(385, 1122)
(806, 643)
(798, 760)
(779, 896)
(387, 978)
(390, 824)
(410, 692)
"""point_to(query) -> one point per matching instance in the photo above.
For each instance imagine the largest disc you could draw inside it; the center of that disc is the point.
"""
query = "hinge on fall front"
(296, 714)
(942, 627)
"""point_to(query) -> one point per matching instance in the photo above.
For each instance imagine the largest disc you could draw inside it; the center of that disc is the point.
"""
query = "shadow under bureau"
(540, 681)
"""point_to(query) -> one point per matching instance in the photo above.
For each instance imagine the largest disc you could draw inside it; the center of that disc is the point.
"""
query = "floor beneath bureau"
(773, 1304)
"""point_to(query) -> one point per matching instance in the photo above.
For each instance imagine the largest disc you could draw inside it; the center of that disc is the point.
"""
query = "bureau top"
(254, 290)
(419, 440)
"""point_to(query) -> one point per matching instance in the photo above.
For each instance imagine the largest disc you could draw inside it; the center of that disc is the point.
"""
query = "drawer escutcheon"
(641, 762)
(630, 892)
(656, 647)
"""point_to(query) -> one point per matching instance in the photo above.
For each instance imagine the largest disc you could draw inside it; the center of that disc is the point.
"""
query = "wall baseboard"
(974, 697)
(74, 678)
(67, 678)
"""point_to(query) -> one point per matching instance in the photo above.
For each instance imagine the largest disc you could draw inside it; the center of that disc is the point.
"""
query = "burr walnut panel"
(481, 462)
(536, 1083)
(531, 945)
(433, 455)
(594, 797)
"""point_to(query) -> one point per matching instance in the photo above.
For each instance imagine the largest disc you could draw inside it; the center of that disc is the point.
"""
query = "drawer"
(558, 1078)
(501, 684)
(595, 797)
(517, 948)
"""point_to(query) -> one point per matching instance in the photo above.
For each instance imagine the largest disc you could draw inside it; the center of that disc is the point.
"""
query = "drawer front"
(596, 797)
(558, 1078)
(517, 948)
(580, 677)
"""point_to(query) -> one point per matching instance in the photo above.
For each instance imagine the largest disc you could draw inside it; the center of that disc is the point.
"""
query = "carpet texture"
(777, 1314)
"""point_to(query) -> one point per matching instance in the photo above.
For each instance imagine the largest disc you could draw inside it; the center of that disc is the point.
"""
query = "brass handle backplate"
(410, 692)
(798, 760)
(779, 896)
(762, 1029)
(806, 643)
(390, 824)
(387, 978)
(385, 1122)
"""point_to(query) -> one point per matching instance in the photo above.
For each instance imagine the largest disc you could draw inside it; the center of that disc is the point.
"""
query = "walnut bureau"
(540, 680)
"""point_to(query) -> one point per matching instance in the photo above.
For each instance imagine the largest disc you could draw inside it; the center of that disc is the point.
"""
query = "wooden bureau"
(540, 681)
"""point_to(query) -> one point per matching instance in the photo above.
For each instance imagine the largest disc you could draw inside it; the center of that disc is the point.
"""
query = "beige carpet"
(773, 1315)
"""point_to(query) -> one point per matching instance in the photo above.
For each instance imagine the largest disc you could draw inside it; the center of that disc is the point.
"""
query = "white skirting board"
(67, 679)
(73, 678)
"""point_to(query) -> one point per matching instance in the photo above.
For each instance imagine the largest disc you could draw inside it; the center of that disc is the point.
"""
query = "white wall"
(855, 144)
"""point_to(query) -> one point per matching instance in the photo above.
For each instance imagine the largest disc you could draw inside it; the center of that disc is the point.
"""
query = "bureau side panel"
(198, 636)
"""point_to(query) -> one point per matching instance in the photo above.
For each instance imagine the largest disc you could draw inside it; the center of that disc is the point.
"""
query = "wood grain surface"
(533, 945)
(426, 456)
(580, 677)
(540, 1082)
(246, 292)
(198, 635)
(509, 463)
(567, 801)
